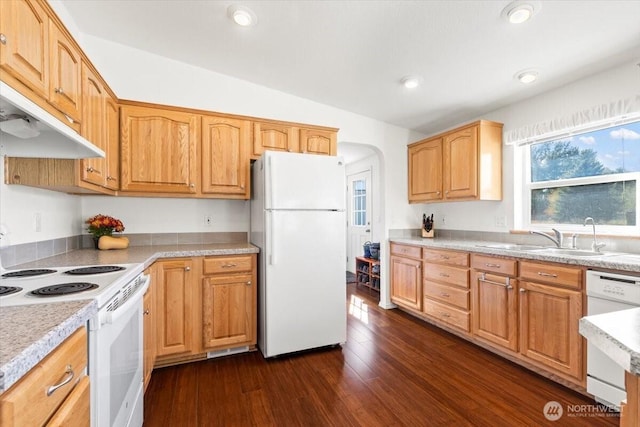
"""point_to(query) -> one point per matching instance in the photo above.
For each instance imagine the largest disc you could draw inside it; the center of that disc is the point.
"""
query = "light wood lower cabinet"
(27, 402)
(204, 304)
(176, 283)
(229, 302)
(406, 276)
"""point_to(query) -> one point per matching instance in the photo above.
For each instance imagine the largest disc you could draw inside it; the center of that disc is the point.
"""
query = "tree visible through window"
(592, 174)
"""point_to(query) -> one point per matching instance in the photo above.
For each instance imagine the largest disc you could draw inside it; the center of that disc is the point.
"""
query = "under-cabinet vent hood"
(39, 134)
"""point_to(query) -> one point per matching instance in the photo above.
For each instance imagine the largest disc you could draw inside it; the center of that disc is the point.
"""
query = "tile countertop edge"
(76, 314)
(609, 261)
(617, 335)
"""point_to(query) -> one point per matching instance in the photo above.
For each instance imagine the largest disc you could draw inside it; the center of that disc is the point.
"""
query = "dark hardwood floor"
(394, 370)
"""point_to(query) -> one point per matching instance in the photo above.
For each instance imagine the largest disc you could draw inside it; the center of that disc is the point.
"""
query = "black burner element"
(8, 290)
(98, 269)
(63, 289)
(28, 273)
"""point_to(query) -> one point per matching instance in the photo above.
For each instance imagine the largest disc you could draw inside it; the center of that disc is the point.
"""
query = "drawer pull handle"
(444, 294)
(229, 265)
(444, 275)
(64, 382)
(445, 256)
(506, 284)
(543, 274)
(488, 264)
(445, 314)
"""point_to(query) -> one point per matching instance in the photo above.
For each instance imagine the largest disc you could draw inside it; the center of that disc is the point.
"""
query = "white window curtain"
(600, 116)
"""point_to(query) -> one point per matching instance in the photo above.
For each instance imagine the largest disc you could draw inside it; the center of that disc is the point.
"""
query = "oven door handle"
(113, 316)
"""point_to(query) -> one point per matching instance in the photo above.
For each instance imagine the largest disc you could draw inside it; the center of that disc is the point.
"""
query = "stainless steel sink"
(570, 252)
(512, 246)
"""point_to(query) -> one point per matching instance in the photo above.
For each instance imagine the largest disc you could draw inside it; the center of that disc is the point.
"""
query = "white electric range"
(115, 332)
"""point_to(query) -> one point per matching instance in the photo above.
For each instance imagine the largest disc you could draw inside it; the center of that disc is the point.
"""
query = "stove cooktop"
(74, 283)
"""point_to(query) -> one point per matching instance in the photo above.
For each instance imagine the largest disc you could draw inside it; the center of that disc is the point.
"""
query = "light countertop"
(617, 335)
(29, 333)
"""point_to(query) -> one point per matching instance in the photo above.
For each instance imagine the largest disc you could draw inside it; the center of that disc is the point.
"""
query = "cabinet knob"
(89, 169)
(3, 39)
(437, 192)
(242, 187)
(110, 178)
(523, 290)
(187, 269)
(249, 283)
(192, 185)
(146, 311)
(59, 90)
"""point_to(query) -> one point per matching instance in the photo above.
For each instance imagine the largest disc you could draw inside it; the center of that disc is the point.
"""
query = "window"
(359, 202)
(592, 174)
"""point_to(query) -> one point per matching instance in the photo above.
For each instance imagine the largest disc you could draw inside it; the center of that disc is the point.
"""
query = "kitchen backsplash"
(615, 244)
(28, 252)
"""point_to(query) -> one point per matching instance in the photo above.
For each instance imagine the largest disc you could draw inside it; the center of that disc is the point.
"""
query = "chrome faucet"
(595, 246)
(557, 240)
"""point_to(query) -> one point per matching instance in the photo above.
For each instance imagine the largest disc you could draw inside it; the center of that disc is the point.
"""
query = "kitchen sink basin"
(513, 246)
(570, 252)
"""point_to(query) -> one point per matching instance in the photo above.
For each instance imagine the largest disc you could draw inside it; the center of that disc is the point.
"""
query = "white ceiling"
(352, 54)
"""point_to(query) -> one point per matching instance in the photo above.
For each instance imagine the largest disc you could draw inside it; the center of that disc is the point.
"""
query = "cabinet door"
(315, 141)
(75, 411)
(274, 137)
(93, 170)
(65, 90)
(406, 282)
(158, 150)
(149, 326)
(461, 164)
(227, 311)
(495, 310)
(174, 306)
(225, 156)
(549, 327)
(24, 53)
(425, 171)
(112, 140)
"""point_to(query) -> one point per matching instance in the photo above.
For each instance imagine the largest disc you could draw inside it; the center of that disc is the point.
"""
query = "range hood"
(41, 134)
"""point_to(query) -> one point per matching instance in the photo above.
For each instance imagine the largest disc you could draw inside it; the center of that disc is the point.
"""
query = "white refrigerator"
(298, 222)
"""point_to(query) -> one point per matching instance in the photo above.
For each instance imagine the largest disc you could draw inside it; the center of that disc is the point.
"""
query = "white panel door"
(303, 181)
(304, 287)
(358, 215)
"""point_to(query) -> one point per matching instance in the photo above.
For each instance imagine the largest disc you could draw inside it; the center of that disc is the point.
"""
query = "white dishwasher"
(608, 292)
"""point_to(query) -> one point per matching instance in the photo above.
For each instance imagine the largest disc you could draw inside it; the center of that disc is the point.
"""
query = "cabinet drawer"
(26, 402)
(444, 313)
(551, 273)
(448, 294)
(494, 265)
(226, 264)
(406, 250)
(446, 257)
(443, 273)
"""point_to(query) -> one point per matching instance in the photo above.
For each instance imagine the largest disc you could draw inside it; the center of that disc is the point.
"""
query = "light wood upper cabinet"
(24, 45)
(315, 141)
(112, 140)
(425, 171)
(93, 128)
(65, 88)
(158, 150)
(175, 284)
(225, 156)
(471, 167)
(274, 137)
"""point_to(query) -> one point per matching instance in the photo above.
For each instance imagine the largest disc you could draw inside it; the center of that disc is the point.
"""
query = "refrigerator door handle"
(270, 187)
(271, 237)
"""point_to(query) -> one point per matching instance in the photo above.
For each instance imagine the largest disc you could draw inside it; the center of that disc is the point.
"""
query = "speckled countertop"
(28, 333)
(617, 335)
(609, 260)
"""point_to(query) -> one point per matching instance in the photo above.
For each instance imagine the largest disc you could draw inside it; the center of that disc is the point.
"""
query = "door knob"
(367, 231)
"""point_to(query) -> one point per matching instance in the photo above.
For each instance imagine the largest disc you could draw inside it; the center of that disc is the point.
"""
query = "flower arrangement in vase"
(104, 226)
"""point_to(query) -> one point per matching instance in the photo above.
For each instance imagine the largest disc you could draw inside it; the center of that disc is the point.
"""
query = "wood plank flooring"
(394, 370)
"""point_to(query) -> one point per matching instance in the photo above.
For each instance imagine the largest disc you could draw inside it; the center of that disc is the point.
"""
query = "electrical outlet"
(208, 221)
(501, 221)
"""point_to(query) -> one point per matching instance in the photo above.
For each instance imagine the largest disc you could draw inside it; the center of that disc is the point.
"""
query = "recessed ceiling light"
(242, 15)
(520, 11)
(411, 82)
(526, 76)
